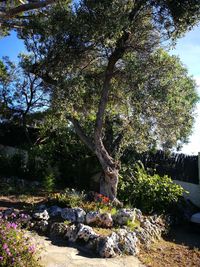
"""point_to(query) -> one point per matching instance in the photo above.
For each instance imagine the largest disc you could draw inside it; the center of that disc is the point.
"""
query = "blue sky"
(187, 48)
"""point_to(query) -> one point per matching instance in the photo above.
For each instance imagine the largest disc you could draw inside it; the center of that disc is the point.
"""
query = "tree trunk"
(109, 182)
(110, 176)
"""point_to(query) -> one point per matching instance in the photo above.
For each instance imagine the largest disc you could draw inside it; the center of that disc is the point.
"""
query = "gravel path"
(61, 256)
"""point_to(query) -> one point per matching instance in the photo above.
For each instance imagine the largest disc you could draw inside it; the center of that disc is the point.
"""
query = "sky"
(187, 48)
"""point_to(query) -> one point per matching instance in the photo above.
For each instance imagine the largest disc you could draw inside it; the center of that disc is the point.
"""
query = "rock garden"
(99, 228)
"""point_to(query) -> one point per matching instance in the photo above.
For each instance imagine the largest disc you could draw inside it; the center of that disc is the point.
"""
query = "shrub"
(49, 182)
(70, 197)
(15, 248)
(150, 193)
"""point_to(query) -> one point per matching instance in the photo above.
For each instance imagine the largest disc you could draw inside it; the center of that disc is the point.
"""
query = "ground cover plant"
(16, 248)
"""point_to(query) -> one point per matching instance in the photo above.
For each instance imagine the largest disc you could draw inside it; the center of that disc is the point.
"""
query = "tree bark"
(26, 7)
(110, 176)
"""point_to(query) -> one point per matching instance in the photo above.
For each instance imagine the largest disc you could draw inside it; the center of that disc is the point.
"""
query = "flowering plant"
(16, 249)
(101, 198)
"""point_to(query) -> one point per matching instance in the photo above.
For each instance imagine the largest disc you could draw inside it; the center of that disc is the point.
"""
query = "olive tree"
(109, 77)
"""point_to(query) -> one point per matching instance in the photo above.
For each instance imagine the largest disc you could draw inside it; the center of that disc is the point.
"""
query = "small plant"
(70, 197)
(49, 182)
(108, 209)
(66, 222)
(132, 224)
(102, 231)
(16, 249)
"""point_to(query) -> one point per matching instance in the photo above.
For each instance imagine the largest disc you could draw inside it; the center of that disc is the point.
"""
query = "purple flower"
(1, 258)
(5, 246)
(31, 248)
(14, 225)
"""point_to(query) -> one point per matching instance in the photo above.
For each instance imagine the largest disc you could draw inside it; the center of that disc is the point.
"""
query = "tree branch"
(27, 7)
(79, 131)
(115, 56)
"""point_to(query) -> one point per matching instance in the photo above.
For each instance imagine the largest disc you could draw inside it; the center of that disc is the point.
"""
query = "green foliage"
(150, 193)
(69, 198)
(150, 103)
(15, 248)
(72, 162)
(133, 224)
(48, 182)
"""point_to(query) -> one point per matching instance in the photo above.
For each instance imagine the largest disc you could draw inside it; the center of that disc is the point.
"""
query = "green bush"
(150, 193)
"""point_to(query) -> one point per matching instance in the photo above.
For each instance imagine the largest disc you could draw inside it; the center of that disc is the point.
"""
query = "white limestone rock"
(106, 220)
(107, 247)
(86, 233)
(73, 214)
(41, 215)
(93, 217)
(123, 216)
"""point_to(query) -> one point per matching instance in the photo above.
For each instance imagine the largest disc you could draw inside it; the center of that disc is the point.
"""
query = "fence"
(178, 166)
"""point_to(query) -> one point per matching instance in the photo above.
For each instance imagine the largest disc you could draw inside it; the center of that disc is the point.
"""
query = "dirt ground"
(180, 249)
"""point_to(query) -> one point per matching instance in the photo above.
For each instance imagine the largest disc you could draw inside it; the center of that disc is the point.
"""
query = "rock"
(54, 211)
(41, 208)
(68, 214)
(58, 229)
(195, 218)
(41, 215)
(150, 229)
(106, 220)
(138, 215)
(86, 233)
(41, 226)
(123, 216)
(107, 247)
(93, 217)
(71, 233)
(8, 212)
(80, 215)
(73, 214)
(128, 243)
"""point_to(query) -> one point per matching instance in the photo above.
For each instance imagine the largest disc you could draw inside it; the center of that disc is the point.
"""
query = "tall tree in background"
(106, 71)
(21, 94)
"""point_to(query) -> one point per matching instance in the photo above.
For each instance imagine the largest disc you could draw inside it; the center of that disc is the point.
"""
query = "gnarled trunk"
(108, 183)
(110, 176)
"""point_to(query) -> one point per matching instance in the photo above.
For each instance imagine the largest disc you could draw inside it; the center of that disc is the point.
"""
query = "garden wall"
(193, 189)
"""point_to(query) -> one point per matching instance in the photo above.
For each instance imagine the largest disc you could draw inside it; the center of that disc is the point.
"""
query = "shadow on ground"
(188, 235)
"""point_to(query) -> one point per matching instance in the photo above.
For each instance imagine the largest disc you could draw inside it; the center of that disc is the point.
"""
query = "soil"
(180, 248)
